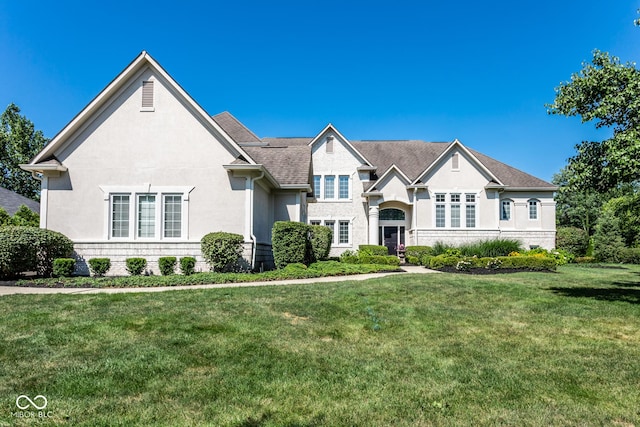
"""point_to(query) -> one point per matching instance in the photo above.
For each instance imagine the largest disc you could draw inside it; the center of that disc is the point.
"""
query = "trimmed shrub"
(31, 249)
(440, 248)
(425, 260)
(529, 262)
(167, 265)
(321, 238)
(289, 243)
(135, 266)
(443, 260)
(63, 267)
(417, 252)
(379, 259)
(296, 266)
(413, 260)
(187, 265)
(373, 250)
(573, 240)
(516, 262)
(222, 250)
(99, 266)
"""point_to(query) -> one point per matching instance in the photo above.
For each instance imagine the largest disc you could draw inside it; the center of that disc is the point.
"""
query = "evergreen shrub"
(187, 265)
(167, 265)
(99, 266)
(25, 249)
(135, 266)
(573, 240)
(290, 243)
(321, 238)
(222, 250)
(63, 267)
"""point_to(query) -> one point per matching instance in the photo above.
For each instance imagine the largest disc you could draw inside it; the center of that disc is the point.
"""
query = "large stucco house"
(143, 170)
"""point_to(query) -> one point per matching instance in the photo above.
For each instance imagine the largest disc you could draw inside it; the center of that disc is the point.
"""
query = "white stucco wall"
(342, 161)
(124, 147)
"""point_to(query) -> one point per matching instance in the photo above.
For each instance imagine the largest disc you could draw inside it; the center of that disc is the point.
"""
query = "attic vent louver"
(147, 94)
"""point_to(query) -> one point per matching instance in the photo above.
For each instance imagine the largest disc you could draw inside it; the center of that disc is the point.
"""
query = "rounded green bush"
(99, 266)
(135, 266)
(63, 267)
(25, 249)
(222, 250)
(167, 265)
(187, 265)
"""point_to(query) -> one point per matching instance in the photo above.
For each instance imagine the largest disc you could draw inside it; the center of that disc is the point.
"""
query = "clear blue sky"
(477, 71)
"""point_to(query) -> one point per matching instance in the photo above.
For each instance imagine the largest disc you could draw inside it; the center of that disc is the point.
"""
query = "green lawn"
(407, 350)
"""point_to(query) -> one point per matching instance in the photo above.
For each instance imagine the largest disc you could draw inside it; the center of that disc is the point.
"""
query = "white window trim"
(336, 230)
(336, 188)
(538, 204)
(463, 208)
(511, 207)
(134, 192)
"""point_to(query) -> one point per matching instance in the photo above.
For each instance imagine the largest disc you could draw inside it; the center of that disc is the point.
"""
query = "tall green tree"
(19, 143)
(607, 93)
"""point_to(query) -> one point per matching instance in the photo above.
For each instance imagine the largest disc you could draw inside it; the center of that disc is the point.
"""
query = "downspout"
(414, 217)
(254, 240)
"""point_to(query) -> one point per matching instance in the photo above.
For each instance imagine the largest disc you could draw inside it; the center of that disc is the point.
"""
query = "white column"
(374, 215)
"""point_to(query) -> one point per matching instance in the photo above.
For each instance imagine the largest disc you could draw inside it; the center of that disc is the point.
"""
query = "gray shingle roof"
(236, 130)
(288, 165)
(289, 159)
(11, 202)
(411, 157)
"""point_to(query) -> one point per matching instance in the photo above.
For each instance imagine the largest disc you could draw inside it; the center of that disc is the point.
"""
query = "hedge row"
(359, 257)
(503, 262)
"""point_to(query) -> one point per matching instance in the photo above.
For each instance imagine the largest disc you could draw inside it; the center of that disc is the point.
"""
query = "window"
(120, 215)
(332, 226)
(505, 210)
(316, 186)
(391, 214)
(471, 210)
(343, 232)
(455, 216)
(172, 215)
(343, 187)
(440, 210)
(157, 213)
(147, 95)
(329, 186)
(146, 215)
(533, 209)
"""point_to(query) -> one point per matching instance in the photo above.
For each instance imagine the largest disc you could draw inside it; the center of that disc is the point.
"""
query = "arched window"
(391, 214)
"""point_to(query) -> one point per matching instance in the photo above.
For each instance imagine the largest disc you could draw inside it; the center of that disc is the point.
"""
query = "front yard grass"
(526, 349)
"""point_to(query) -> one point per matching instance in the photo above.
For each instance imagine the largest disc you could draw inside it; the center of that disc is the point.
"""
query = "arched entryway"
(392, 228)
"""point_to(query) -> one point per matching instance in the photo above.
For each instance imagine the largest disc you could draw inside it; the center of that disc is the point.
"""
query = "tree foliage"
(607, 93)
(19, 143)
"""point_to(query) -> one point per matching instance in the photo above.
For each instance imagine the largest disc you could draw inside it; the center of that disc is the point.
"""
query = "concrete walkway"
(13, 290)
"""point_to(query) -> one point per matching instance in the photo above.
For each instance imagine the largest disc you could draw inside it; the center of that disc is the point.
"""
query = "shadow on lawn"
(631, 296)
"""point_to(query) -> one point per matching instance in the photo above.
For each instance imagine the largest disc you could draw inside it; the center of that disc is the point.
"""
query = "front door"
(391, 237)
